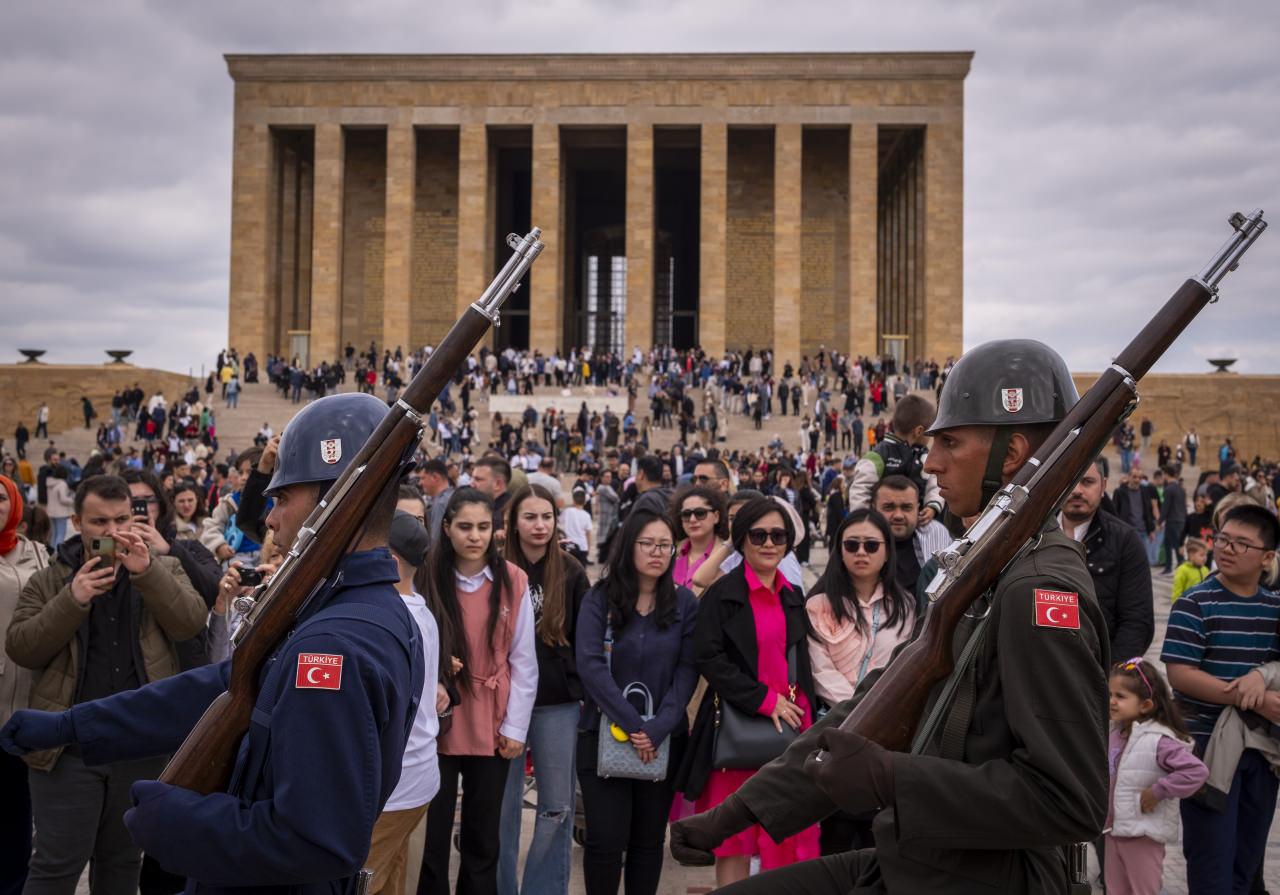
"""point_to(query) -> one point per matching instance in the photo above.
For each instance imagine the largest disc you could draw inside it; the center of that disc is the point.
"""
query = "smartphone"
(138, 507)
(250, 577)
(104, 547)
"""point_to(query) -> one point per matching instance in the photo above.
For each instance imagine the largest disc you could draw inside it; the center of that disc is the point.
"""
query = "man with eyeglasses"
(714, 474)
(1014, 773)
(1218, 633)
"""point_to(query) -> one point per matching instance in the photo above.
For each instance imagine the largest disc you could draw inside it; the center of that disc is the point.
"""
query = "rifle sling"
(955, 702)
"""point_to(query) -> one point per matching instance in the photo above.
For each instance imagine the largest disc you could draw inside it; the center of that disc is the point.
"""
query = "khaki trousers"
(389, 850)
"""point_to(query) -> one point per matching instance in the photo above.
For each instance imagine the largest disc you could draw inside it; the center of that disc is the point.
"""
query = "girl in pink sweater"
(858, 615)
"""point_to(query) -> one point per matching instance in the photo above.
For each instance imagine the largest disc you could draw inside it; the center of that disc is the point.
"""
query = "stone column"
(788, 142)
(326, 245)
(473, 192)
(863, 174)
(639, 325)
(713, 228)
(398, 244)
(252, 197)
(546, 303)
(943, 255)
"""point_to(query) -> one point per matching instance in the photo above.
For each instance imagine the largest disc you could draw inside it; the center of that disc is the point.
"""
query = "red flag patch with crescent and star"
(319, 671)
(1057, 609)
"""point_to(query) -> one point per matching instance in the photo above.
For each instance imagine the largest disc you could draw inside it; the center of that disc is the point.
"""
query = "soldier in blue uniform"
(334, 709)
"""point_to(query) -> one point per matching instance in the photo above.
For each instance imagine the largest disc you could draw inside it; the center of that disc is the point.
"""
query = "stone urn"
(117, 357)
(32, 355)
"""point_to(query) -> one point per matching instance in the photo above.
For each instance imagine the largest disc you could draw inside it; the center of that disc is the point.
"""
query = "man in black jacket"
(1174, 513)
(1133, 505)
(1117, 562)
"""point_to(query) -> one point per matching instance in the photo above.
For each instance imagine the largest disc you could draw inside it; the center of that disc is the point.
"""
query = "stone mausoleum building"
(728, 201)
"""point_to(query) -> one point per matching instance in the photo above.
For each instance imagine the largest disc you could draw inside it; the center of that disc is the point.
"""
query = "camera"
(250, 577)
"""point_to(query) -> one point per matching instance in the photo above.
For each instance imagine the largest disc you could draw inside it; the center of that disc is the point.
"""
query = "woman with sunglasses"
(557, 584)
(751, 634)
(701, 524)
(858, 615)
(650, 622)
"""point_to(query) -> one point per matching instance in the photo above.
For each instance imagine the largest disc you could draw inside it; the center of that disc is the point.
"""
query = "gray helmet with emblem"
(1008, 382)
(319, 443)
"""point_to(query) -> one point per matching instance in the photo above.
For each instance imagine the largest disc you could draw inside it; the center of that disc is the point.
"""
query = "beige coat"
(44, 633)
(62, 499)
(16, 568)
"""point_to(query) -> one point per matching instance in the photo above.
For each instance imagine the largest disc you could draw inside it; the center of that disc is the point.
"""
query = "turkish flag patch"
(1057, 609)
(319, 671)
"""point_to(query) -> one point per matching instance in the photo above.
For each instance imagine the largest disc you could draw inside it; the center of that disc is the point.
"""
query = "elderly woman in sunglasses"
(751, 646)
(700, 517)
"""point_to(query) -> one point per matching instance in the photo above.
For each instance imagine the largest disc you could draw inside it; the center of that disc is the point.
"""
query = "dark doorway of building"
(595, 238)
(511, 158)
(677, 210)
(900, 269)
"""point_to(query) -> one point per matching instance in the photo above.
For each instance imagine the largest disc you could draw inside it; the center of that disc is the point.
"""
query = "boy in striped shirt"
(1219, 632)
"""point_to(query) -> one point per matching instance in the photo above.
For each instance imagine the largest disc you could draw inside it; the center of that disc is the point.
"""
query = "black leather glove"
(29, 730)
(856, 773)
(693, 838)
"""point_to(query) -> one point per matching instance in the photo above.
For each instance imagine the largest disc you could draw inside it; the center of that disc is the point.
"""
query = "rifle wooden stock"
(891, 713)
(208, 755)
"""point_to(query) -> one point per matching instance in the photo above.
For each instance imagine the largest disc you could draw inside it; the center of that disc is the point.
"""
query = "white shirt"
(522, 657)
(420, 770)
(1075, 533)
(576, 524)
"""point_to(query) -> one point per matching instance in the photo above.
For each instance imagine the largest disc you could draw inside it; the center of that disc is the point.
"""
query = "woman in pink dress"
(751, 633)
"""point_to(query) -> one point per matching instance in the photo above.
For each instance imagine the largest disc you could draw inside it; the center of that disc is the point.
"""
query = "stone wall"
(24, 386)
(749, 241)
(1217, 404)
(364, 239)
(433, 300)
(824, 240)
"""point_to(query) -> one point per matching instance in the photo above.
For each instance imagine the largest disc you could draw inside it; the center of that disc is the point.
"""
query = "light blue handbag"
(620, 759)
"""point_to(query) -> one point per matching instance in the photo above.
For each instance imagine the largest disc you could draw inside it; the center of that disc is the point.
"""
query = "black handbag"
(743, 741)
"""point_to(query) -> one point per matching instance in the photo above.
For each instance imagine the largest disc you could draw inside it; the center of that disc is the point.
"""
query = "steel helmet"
(1008, 382)
(318, 444)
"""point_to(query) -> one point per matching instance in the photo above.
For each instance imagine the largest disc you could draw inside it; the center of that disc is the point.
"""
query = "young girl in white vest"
(1152, 767)
(482, 605)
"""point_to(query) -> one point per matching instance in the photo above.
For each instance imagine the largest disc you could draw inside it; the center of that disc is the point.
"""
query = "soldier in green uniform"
(1013, 773)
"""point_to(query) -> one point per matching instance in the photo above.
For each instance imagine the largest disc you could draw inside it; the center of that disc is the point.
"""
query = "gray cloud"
(1105, 145)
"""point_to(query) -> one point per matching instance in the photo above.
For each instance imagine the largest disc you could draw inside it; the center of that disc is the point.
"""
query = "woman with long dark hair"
(636, 627)
(188, 510)
(700, 515)
(557, 584)
(751, 645)
(859, 615)
(481, 603)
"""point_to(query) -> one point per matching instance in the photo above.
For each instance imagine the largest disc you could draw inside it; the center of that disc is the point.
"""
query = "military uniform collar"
(364, 567)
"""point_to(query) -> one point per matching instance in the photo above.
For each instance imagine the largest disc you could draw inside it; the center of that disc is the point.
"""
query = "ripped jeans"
(553, 736)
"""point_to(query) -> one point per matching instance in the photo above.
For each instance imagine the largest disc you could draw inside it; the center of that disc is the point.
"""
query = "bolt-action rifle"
(207, 756)
(891, 712)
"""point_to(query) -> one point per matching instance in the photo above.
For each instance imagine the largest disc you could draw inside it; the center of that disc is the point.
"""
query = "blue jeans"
(553, 736)
(1223, 851)
(59, 529)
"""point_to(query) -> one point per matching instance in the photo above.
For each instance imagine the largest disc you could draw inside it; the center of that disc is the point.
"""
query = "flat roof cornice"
(589, 66)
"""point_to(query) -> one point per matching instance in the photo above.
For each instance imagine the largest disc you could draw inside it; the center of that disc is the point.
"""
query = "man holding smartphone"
(102, 619)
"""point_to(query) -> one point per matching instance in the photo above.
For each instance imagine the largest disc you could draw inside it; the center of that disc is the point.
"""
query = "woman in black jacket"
(751, 645)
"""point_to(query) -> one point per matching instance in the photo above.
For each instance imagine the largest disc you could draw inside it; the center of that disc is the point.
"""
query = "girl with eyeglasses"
(751, 634)
(483, 607)
(701, 524)
(650, 622)
(557, 584)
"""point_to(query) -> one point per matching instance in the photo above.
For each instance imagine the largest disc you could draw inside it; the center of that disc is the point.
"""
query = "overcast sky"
(1105, 145)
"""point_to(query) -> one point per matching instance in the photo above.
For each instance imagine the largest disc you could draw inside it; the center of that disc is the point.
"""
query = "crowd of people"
(598, 613)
